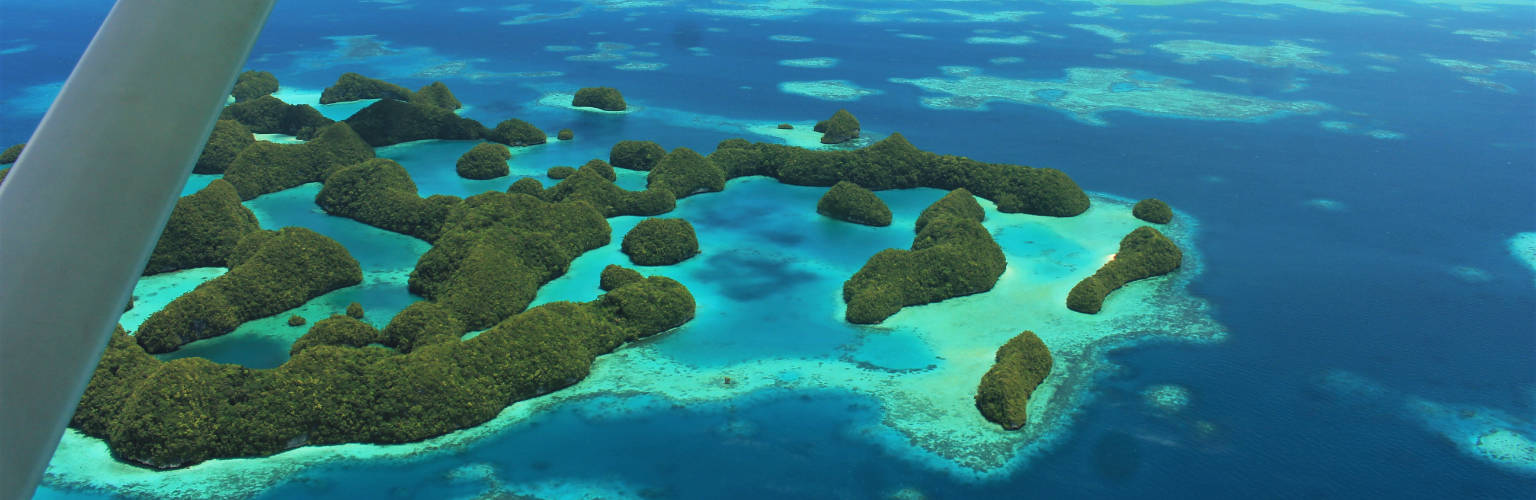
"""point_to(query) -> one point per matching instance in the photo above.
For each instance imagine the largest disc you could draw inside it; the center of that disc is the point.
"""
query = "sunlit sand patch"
(1086, 93)
(640, 66)
(1105, 31)
(1337, 126)
(1523, 248)
(1488, 84)
(18, 49)
(1283, 54)
(543, 17)
(809, 62)
(1485, 35)
(1166, 398)
(1326, 204)
(278, 138)
(914, 36)
(991, 40)
(828, 90)
(1328, 6)
(1470, 274)
(1386, 135)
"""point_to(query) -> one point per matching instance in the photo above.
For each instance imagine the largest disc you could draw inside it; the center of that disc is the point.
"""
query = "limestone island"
(660, 242)
(1021, 365)
(10, 154)
(840, 128)
(1152, 210)
(604, 98)
(636, 155)
(253, 84)
(486, 160)
(1144, 253)
(849, 202)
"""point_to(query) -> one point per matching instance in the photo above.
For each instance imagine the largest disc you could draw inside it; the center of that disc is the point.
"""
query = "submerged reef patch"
(828, 90)
(1087, 93)
(1523, 248)
(1283, 54)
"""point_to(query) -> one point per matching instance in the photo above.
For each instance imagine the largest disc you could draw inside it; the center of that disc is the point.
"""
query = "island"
(1152, 210)
(952, 256)
(1021, 365)
(604, 98)
(203, 230)
(380, 193)
(436, 94)
(565, 134)
(559, 172)
(355, 310)
(11, 154)
(636, 155)
(841, 127)
(515, 132)
(266, 167)
(684, 172)
(253, 84)
(354, 87)
(392, 122)
(486, 160)
(270, 115)
(1144, 253)
(337, 331)
(269, 272)
(228, 139)
(849, 202)
(660, 242)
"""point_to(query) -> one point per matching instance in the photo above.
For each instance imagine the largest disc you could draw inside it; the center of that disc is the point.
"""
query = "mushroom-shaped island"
(1021, 365)
(565, 134)
(660, 242)
(253, 84)
(487, 160)
(636, 155)
(1152, 210)
(841, 127)
(515, 132)
(849, 202)
(604, 98)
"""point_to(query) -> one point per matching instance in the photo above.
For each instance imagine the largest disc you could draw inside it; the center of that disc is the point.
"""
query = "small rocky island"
(604, 98)
(1021, 365)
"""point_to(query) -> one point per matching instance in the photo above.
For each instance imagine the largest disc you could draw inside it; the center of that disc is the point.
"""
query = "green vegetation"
(420, 324)
(496, 249)
(11, 154)
(684, 173)
(270, 115)
(355, 310)
(614, 276)
(267, 167)
(841, 127)
(436, 94)
(226, 142)
(894, 163)
(1144, 253)
(1152, 210)
(515, 132)
(296, 320)
(392, 122)
(529, 186)
(1022, 364)
(559, 172)
(786, 126)
(486, 160)
(380, 193)
(847, 201)
(604, 98)
(636, 155)
(253, 84)
(203, 230)
(958, 203)
(952, 256)
(269, 272)
(338, 331)
(353, 87)
(565, 134)
(660, 242)
(177, 413)
(593, 184)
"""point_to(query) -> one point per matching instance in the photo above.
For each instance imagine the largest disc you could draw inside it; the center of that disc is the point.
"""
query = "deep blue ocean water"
(1364, 286)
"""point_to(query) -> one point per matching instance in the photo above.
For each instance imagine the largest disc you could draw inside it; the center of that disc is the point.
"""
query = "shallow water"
(1361, 302)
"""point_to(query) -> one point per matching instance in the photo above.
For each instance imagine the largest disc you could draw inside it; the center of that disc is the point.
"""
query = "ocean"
(1356, 316)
